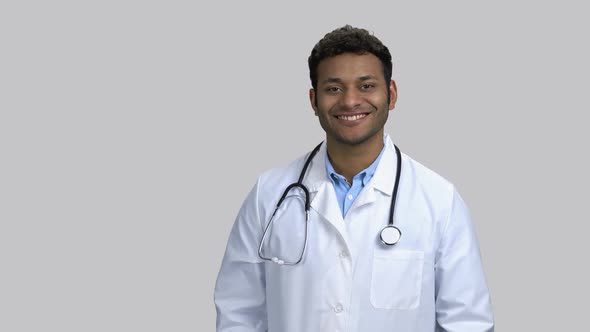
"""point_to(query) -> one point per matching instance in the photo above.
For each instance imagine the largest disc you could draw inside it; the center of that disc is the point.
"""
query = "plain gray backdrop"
(130, 132)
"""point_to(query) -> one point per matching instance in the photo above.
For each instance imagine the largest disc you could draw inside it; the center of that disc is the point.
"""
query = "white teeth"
(351, 117)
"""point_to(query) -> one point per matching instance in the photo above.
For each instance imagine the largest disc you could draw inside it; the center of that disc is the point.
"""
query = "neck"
(349, 160)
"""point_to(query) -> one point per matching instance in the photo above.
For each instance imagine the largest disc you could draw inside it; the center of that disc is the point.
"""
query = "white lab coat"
(432, 280)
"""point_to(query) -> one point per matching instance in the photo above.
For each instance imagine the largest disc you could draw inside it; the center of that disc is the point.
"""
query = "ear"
(312, 101)
(393, 94)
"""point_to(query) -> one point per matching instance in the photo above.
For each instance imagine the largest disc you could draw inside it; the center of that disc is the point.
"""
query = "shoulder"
(277, 172)
(437, 189)
(276, 179)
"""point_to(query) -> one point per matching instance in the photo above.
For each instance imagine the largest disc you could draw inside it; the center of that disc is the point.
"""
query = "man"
(335, 271)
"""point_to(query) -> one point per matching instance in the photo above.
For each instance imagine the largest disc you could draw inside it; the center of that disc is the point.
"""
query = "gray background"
(130, 132)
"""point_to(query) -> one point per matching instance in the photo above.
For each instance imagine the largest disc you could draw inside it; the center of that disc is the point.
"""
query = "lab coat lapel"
(323, 196)
(384, 178)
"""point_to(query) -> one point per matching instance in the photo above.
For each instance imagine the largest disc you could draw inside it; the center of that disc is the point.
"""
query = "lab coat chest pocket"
(396, 282)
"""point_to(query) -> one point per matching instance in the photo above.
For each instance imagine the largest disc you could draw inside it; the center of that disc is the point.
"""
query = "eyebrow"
(367, 77)
(338, 80)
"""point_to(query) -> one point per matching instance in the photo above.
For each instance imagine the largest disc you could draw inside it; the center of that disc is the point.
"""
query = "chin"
(351, 140)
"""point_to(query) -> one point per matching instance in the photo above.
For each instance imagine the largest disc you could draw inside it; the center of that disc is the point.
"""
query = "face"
(352, 98)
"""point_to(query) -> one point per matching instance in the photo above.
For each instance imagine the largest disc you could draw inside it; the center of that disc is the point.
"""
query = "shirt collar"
(365, 174)
(383, 179)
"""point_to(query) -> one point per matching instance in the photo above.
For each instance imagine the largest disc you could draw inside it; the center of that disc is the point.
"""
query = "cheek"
(326, 102)
(323, 108)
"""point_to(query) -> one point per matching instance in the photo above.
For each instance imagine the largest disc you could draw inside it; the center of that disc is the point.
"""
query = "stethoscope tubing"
(396, 184)
(299, 184)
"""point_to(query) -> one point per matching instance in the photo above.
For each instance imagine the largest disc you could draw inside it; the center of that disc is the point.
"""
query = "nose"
(351, 98)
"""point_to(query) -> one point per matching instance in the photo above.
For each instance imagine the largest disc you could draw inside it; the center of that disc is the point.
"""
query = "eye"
(333, 89)
(367, 86)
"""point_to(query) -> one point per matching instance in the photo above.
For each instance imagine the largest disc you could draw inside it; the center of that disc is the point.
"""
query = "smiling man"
(354, 236)
(352, 100)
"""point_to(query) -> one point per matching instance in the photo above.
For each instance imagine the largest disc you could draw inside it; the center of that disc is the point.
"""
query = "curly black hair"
(348, 39)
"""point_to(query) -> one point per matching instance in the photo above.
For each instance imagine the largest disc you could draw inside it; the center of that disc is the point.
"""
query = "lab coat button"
(343, 254)
(338, 308)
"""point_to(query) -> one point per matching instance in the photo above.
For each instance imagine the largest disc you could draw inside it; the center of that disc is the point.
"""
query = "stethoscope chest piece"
(390, 235)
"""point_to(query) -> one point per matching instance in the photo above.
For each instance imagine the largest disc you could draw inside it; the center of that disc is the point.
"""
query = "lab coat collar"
(316, 175)
(384, 177)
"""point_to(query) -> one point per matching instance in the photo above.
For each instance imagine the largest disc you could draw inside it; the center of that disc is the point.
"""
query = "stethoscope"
(390, 235)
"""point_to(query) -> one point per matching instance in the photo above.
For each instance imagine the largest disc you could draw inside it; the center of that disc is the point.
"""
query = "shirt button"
(350, 197)
(338, 308)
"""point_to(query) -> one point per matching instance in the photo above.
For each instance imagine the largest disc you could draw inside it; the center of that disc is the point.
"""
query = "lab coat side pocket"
(396, 282)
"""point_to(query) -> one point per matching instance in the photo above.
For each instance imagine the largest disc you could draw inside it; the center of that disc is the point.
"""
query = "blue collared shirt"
(346, 193)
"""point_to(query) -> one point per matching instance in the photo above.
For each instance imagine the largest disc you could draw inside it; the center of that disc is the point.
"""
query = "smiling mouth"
(351, 117)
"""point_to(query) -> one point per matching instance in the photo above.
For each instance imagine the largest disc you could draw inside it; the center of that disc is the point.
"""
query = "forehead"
(350, 66)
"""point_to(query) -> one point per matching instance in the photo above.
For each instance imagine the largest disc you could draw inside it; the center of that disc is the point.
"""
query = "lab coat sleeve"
(239, 295)
(462, 296)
